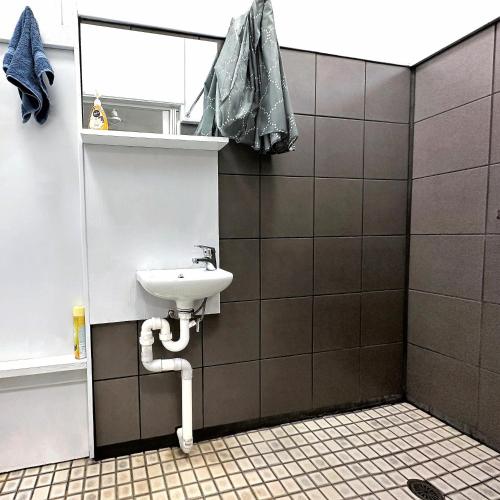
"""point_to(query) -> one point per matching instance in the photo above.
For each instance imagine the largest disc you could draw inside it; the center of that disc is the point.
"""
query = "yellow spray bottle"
(79, 332)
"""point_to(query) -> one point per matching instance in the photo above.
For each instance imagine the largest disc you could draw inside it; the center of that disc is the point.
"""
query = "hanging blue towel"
(25, 64)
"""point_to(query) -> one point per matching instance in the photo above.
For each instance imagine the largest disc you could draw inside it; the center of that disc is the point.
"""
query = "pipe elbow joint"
(184, 366)
(175, 346)
(186, 369)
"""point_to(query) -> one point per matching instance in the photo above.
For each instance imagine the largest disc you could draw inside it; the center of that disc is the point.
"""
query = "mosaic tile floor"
(365, 454)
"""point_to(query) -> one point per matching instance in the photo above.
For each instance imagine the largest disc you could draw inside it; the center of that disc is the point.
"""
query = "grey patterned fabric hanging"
(245, 94)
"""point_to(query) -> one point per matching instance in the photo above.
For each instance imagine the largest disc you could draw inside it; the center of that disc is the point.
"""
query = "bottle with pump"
(98, 119)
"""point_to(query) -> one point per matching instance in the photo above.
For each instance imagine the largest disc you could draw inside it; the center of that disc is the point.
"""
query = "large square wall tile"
(490, 338)
(455, 140)
(286, 326)
(427, 384)
(116, 410)
(382, 315)
(286, 206)
(161, 403)
(114, 350)
(381, 371)
(450, 265)
(239, 197)
(233, 335)
(339, 148)
(278, 395)
(231, 393)
(336, 321)
(458, 75)
(493, 223)
(384, 262)
(300, 72)
(387, 92)
(448, 325)
(299, 162)
(492, 269)
(452, 203)
(242, 258)
(386, 150)
(489, 408)
(337, 265)
(338, 205)
(384, 207)
(335, 378)
(286, 267)
(340, 87)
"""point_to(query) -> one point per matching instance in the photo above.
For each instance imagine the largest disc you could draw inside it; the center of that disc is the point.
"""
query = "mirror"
(136, 94)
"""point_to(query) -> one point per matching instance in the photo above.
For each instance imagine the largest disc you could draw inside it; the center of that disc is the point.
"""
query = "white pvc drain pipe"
(184, 433)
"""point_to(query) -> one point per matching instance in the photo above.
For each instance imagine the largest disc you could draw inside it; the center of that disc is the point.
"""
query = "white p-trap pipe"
(184, 433)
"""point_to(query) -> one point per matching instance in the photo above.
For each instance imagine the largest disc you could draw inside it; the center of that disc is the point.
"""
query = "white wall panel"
(43, 419)
(146, 209)
(40, 243)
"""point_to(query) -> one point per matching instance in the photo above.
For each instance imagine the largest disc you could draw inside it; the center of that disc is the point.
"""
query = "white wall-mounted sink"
(185, 286)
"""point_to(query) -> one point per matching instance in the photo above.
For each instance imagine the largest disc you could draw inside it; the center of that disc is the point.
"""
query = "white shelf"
(37, 366)
(139, 139)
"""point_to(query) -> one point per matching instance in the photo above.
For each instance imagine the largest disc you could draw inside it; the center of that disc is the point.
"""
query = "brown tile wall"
(316, 240)
(454, 296)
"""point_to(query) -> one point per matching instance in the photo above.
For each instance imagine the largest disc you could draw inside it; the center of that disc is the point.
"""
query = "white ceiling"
(395, 31)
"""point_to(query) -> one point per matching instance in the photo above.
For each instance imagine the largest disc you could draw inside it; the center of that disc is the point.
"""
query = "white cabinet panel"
(146, 209)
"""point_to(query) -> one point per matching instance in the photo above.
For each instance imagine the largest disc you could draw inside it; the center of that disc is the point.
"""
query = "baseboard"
(466, 429)
(140, 445)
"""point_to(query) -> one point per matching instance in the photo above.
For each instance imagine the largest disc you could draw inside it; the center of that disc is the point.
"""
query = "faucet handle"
(207, 250)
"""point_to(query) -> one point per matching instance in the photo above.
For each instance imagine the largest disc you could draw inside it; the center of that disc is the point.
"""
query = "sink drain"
(424, 490)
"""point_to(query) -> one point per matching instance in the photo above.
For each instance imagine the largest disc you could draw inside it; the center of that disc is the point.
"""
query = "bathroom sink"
(185, 286)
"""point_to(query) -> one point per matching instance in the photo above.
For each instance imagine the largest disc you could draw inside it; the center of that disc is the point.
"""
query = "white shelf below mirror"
(146, 140)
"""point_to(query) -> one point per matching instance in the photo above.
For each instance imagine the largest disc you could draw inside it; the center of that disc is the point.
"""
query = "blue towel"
(25, 64)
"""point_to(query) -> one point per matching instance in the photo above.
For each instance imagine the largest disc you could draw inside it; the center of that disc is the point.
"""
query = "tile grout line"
(313, 228)
(450, 172)
(296, 176)
(260, 287)
(353, 118)
(361, 256)
(453, 108)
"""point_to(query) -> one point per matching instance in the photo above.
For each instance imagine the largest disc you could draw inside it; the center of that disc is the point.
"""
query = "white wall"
(56, 19)
(394, 31)
(387, 30)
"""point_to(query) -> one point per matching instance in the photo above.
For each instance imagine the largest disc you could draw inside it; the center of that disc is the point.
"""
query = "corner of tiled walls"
(454, 297)
(316, 240)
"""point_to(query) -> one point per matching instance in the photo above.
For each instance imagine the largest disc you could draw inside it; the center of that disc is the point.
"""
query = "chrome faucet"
(209, 257)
